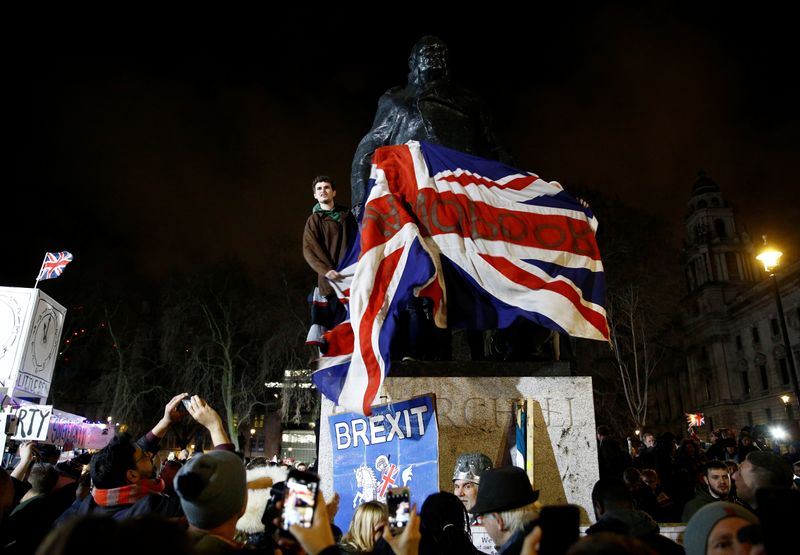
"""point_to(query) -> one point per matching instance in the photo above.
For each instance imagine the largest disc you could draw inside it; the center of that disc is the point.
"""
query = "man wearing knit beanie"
(722, 527)
(213, 493)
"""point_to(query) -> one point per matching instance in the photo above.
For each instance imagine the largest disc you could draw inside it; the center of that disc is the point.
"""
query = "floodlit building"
(737, 367)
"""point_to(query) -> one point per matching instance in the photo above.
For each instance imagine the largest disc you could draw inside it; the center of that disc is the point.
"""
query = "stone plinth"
(475, 414)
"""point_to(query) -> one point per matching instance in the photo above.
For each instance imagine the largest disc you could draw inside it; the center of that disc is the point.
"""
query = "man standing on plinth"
(327, 234)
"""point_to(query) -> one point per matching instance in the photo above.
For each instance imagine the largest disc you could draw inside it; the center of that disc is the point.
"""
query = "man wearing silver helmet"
(467, 476)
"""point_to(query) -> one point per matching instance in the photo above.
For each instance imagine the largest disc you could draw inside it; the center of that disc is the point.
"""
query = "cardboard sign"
(33, 423)
(398, 445)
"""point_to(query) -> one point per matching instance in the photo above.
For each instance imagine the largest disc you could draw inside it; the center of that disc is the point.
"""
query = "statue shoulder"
(392, 96)
(397, 89)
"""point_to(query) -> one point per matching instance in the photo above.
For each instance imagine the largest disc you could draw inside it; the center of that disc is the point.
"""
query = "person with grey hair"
(467, 476)
(507, 503)
(761, 469)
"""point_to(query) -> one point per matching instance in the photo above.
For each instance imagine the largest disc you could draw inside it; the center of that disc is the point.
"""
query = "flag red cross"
(387, 480)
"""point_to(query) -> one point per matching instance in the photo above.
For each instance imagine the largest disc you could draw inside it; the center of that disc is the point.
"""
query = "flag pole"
(36, 283)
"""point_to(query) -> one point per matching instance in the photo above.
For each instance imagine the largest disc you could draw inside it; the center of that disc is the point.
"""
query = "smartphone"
(186, 402)
(560, 528)
(300, 499)
(399, 502)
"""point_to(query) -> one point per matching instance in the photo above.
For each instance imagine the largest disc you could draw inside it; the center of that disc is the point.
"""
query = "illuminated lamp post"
(787, 406)
(770, 258)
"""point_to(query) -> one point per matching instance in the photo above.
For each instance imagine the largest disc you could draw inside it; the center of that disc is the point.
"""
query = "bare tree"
(132, 376)
(225, 339)
(636, 354)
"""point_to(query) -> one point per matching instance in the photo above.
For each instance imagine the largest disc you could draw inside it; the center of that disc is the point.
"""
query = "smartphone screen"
(300, 500)
(399, 502)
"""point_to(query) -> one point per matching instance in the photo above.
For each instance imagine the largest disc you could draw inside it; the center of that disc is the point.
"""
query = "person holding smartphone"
(123, 473)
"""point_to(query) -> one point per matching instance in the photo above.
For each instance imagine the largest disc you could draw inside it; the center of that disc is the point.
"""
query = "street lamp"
(787, 406)
(770, 258)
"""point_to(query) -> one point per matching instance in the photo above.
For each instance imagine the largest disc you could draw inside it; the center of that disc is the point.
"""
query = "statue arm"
(497, 149)
(379, 135)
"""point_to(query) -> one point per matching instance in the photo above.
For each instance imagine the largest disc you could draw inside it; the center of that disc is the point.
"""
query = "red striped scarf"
(127, 495)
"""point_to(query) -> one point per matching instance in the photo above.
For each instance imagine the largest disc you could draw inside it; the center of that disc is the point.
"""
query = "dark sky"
(151, 160)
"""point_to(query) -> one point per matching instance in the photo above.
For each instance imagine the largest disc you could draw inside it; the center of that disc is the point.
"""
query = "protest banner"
(79, 435)
(44, 423)
(398, 445)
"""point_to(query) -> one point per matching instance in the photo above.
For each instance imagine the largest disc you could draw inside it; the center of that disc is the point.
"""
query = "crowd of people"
(217, 502)
(736, 479)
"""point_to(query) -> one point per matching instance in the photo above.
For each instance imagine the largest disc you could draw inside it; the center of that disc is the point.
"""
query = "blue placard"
(398, 445)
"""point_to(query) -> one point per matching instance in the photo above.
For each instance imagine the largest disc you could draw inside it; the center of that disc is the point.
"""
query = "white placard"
(482, 541)
(34, 422)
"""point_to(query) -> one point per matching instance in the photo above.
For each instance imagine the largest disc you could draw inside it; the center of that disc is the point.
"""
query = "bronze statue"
(429, 108)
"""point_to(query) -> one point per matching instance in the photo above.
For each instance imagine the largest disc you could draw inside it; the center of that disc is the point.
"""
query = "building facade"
(737, 366)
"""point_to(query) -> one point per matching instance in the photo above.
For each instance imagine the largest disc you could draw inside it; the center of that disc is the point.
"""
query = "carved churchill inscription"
(491, 412)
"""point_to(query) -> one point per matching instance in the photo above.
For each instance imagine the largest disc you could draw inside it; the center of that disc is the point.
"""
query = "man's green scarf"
(335, 214)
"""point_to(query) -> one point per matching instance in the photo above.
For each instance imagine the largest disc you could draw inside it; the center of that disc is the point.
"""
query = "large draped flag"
(486, 242)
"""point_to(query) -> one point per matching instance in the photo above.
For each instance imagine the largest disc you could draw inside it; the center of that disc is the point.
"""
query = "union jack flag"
(486, 242)
(694, 420)
(387, 480)
(53, 264)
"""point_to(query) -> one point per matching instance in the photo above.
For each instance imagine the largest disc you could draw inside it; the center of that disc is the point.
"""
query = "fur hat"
(212, 488)
(257, 497)
(504, 489)
(703, 521)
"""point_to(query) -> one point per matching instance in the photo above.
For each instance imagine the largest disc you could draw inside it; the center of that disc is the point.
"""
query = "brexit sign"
(398, 445)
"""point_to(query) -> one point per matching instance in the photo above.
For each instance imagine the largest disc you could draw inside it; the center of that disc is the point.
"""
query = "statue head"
(428, 60)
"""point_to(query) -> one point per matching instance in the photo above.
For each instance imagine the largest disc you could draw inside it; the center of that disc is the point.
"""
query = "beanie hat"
(703, 521)
(212, 488)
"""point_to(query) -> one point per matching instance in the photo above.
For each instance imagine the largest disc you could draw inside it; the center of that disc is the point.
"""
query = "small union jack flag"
(387, 480)
(695, 419)
(53, 264)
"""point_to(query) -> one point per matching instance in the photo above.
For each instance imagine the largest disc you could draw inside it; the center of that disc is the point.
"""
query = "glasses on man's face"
(144, 455)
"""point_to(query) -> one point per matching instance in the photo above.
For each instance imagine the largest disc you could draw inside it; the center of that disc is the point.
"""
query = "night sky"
(146, 162)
